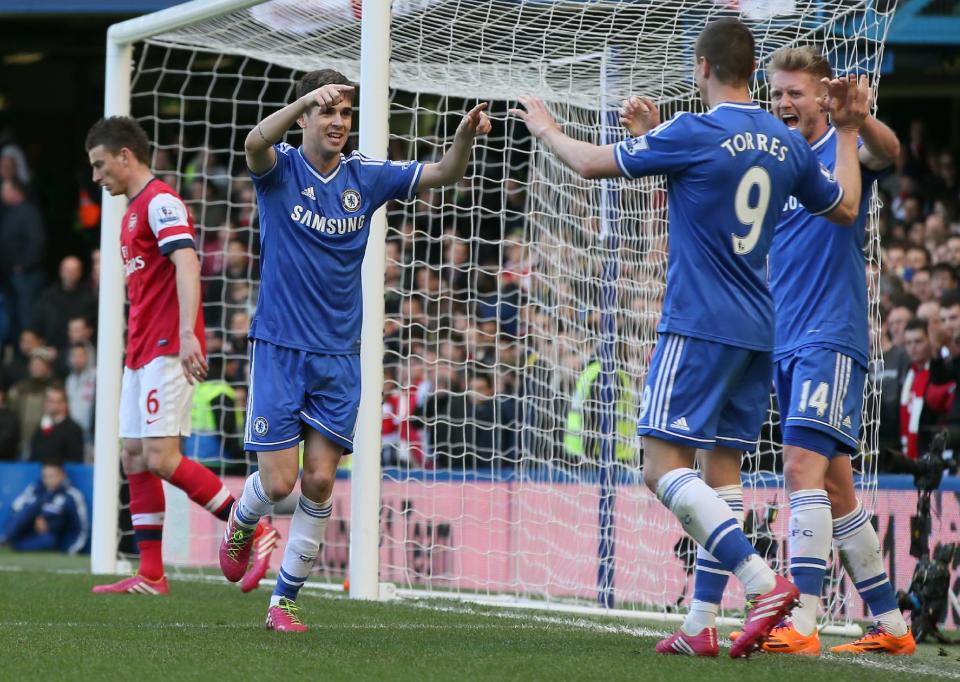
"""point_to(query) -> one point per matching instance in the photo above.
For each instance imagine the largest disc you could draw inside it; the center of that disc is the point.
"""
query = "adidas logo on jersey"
(309, 193)
(680, 423)
(847, 422)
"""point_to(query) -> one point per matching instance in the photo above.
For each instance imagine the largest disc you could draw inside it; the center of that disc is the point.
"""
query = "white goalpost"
(506, 478)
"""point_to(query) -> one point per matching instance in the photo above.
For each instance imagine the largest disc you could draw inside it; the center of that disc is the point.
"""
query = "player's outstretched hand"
(192, 362)
(535, 114)
(475, 122)
(639, 115)
(847, 100)
(328, 96)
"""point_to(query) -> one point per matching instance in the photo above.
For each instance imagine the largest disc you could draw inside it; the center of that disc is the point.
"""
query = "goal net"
(521, 305)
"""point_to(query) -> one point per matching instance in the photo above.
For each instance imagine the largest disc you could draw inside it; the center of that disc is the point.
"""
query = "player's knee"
(316, 485)
(161, 461)
(803, 470)
(278, 487)
(132, 460)
(793, 473)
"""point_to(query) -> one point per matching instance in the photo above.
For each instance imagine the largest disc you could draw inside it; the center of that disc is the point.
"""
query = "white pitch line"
(322, 591)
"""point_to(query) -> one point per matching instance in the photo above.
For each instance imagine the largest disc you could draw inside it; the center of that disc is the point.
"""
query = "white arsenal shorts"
(155, 400)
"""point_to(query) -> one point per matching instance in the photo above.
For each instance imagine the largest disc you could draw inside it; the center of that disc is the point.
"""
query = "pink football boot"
(680, 643)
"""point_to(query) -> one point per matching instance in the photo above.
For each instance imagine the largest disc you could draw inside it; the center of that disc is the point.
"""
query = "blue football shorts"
(820, 393)
(706, 394)
(291, 388)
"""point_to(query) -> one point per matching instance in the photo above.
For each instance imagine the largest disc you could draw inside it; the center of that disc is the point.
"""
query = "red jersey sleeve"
(170, 224)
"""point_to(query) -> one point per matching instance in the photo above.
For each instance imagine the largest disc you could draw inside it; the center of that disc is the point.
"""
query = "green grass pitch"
(52, 627)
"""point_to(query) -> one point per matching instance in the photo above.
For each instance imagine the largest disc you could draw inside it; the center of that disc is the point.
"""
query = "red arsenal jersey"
(155, 225)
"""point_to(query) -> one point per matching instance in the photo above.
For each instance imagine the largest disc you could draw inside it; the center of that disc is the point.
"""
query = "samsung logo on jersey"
(764, 143)
(320, 223)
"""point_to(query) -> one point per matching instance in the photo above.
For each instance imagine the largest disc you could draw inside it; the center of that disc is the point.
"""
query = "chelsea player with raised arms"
(729, 172)
(315, 210)
(819, 285)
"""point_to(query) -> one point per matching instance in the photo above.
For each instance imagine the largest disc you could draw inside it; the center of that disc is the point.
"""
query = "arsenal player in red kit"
(165, 352)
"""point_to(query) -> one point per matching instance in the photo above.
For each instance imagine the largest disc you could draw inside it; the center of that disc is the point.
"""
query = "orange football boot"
(879, 641)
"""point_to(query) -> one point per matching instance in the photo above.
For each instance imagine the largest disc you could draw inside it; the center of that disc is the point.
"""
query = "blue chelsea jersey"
(818, 273)
(313, 235)
(729, 172)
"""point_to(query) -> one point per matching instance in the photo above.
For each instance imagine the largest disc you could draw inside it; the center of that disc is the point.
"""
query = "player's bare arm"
(188, 294)
(846, 100)
(881, 148)
(453, 164)
(639, 115)
(586, 159)
(258, 146)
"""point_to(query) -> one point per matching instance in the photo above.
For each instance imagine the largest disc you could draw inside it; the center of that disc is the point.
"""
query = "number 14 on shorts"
(817, 400)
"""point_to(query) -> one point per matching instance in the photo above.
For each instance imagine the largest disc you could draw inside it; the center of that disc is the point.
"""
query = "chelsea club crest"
(350, 200)
(260, 426)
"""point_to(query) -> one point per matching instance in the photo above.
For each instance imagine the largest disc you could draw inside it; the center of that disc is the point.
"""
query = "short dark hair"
(944, 267)
(317, 79)
(117, 132)
(915, 324)
(908, 301)
(949, 299)
(728, 45)
(57, 387)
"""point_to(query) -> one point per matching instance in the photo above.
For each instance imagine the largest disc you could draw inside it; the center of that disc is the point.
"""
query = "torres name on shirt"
(313, 235)
(729, 172)
(155, 225)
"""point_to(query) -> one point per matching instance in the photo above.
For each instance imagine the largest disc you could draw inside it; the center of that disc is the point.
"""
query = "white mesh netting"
(499, 291)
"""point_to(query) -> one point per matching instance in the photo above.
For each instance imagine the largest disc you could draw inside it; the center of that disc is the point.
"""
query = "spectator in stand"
(57, 437)
(217, 419)
(27, 396)
(80, 331)
(400, 403)
(915, 151)
(920, 285)
(16, 368)
(929, 312)
(50, 514)
(9, 430)
(916, 258)
(922, 404)
(81, 388)
(945, 184)
(62, 302)
(943, 279)
(13, 164)
(488, 441)
(895, 258)
(23, 236)
(950, 322)
(897, 320)
(236, 347)
(953, 251)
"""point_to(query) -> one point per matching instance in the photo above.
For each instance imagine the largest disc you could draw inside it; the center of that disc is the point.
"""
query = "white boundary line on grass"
(503, 612)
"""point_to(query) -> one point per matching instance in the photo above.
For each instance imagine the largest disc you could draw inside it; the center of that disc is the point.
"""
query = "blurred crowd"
(484, 362)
